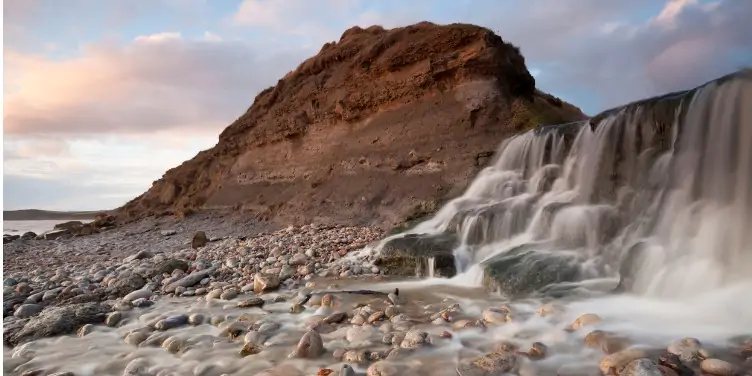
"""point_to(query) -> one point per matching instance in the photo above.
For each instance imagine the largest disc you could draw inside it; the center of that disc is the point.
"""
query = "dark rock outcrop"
(55, 321)
(413, 254)
(377, 126)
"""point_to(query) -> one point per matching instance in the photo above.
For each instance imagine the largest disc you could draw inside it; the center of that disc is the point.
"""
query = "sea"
(38, 227)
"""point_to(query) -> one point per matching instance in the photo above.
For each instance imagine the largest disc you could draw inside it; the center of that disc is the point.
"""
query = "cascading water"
(658, 193)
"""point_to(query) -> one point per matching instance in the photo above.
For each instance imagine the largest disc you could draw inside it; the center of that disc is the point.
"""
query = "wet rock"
(55, 321)
(495, 316)
(537, 351)
(196, 319)
(173, 344)
(250, 348)
(385, 368)
(310, 346)
(135, 338)
(375, 317)
(136, 367)
(327, 300)
(613, 363)
(607, 341)
(25, 311)
(719, 367)
(233, 329)
(113, 319)
(85, 330)
(641, 367)
(229, 295)
(171, 322)
(411, 253)
(354, 356)
(199, 240)
(264, 283)
(346, 370)
(488, 365)
(523, 270)
(251, 302)
(689, 350)
(138, 294)
(549, 309)
(414, 339)
(585, 320)
(335, 318)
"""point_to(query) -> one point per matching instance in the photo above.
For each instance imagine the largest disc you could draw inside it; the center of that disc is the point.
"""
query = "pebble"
(25, 311)
(719, 367)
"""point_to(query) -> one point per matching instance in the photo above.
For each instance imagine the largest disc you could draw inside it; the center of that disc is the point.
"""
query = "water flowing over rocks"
(551, 226)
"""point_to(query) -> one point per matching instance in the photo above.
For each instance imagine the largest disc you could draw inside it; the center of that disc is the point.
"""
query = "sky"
(100, 98)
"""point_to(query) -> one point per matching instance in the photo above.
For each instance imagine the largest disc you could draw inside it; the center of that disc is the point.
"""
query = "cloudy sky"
(102, 96)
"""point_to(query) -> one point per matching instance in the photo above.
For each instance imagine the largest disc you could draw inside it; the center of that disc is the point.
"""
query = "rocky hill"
(379, 126)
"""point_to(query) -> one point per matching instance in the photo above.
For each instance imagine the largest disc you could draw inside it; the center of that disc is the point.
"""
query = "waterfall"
(657, 193)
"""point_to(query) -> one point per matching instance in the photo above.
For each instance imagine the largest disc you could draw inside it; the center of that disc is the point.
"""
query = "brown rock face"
(378, 127)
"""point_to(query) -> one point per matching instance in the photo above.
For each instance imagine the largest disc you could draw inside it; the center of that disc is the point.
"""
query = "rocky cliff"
(377, 127)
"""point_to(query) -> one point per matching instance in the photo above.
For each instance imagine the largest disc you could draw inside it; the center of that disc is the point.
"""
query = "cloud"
(155, 82)
(587, 46)
(90, 173)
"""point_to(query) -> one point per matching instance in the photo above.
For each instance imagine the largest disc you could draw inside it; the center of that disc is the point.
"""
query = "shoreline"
(141, 286)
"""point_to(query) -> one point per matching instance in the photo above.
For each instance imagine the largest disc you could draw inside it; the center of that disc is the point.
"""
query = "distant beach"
(38, 227)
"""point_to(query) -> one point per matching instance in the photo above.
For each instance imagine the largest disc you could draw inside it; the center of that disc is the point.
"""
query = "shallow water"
(649, 322)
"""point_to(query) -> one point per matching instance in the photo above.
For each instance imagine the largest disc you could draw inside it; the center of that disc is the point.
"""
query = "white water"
(689, 203)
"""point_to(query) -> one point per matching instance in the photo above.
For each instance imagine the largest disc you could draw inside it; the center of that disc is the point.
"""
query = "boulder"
(199, 240)
(71, 226)
(29, 235)
(126, 283)
(55, 234)
(55, 321)
(411, 254)
(523, 270)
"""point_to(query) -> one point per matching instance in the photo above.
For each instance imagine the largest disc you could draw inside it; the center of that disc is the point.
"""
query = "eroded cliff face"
(377, 127)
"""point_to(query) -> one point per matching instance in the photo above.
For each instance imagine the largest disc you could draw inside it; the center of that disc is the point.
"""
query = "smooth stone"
(251, 302)
(310, 346)
(24, 311)
(616, 361)
(113, 319)
(585, 320)
(719, 367)
(189, 280)
(414, 339)
(171, 322)
(138, 294)
(641, 367)
(229, 295)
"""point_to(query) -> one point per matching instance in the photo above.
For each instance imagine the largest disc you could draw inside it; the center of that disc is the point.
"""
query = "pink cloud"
(159, 81)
